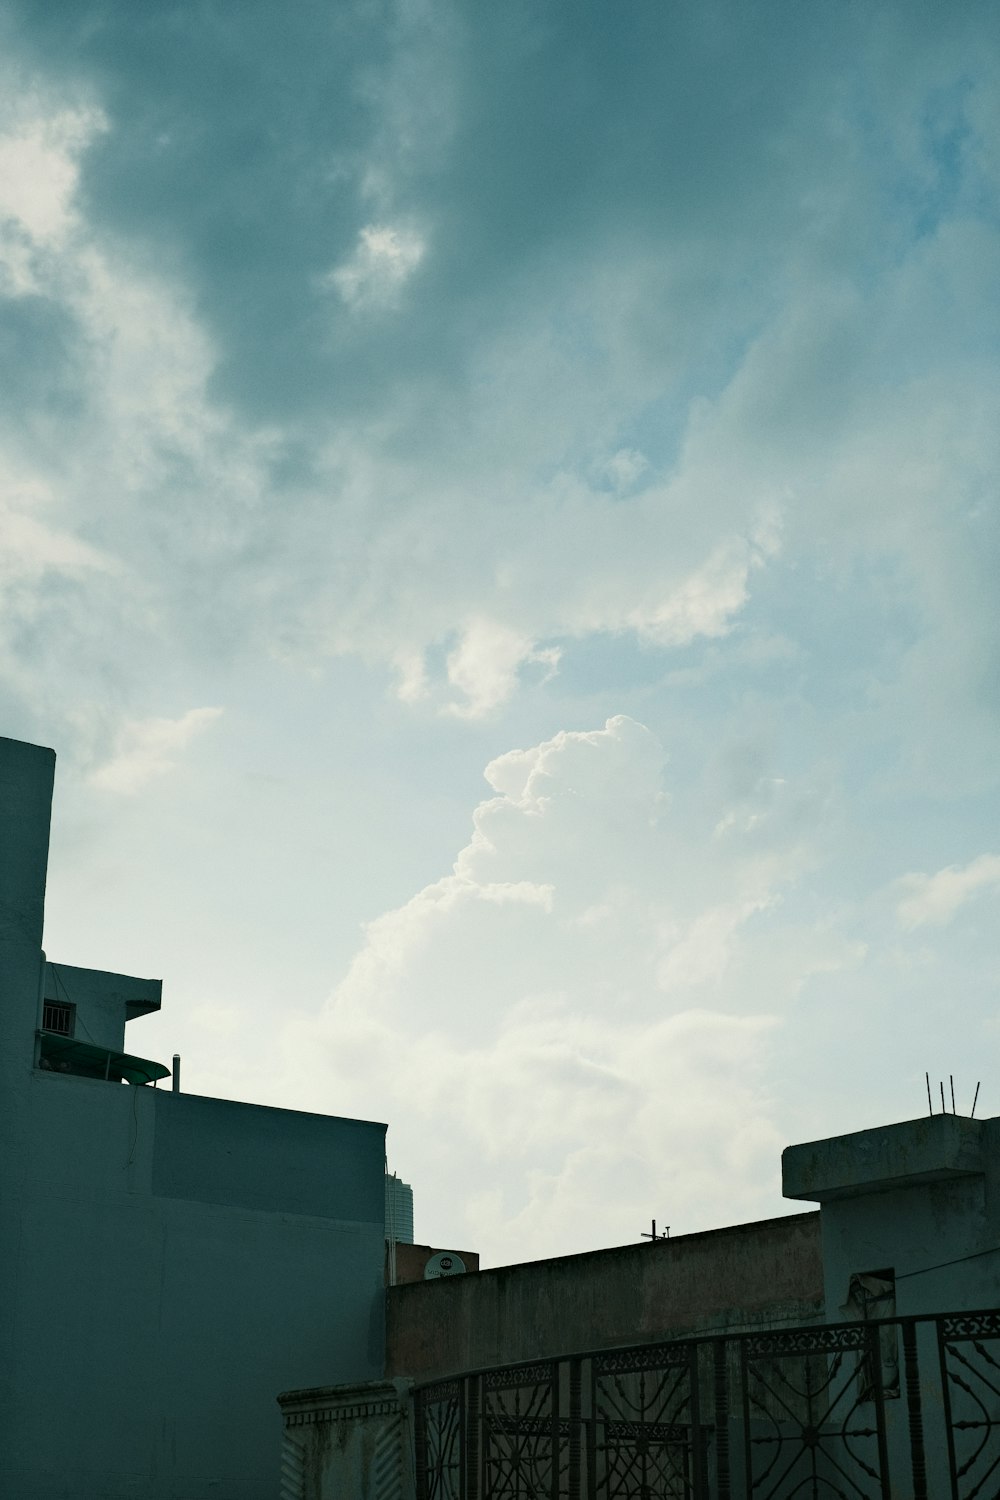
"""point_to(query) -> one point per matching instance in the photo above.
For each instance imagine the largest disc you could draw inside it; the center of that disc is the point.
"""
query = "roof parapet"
(939, 1148)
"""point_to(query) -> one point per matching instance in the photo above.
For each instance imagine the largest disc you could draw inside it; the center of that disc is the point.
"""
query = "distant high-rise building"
(398, 1210)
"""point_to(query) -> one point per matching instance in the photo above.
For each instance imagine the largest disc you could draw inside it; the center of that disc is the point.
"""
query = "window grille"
(57, 1017)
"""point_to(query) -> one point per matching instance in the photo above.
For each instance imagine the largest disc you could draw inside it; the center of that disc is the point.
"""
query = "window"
(57, 1017)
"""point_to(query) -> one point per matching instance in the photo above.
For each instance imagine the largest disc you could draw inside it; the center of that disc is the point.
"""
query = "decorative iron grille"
(813, 1416)
(970, 1377)
(645, 1436)
(525, 1441)
(793, 1414)
(439, 1441)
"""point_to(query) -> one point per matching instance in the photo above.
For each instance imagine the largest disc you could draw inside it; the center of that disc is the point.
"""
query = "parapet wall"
(750, 1276)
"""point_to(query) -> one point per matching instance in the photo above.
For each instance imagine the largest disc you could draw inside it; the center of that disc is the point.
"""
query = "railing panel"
(646, 1438)
(813, 1414)
(525, 1439)
(439, 1412)
(970, 1372)
(895, 1409)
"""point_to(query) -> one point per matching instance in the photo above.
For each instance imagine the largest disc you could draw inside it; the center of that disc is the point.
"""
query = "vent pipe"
(177, 1073)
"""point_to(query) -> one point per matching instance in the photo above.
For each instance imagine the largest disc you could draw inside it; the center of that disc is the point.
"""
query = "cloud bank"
(411, 381)
(566, 1041)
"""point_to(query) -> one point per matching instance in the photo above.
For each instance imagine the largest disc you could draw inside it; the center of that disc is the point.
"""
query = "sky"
(498, 520)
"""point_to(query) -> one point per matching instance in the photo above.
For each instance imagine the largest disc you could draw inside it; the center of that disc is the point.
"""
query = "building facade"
(851, 1350)
(167, 1261)
(398, 1210)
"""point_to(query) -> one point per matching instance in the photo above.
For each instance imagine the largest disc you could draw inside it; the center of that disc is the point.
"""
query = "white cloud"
(488, 554)
(539, 1021)
(933, 900)
(703, 604)
(148, 748)
(383, 261)
(724, 455)
(699, 954)
(625, 468)
(39, 166)
(29, 548)
(118, 466)
(484, 666)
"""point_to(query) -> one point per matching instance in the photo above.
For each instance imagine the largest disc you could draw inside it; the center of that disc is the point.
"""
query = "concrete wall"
(168, 1263)
(102, 1002)
(920, 1198)
(348, 1442)
(753, 1275)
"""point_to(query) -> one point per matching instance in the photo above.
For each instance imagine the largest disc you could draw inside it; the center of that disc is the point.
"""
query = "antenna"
(951, 1086)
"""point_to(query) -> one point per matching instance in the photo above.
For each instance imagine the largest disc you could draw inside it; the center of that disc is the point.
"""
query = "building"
(851, 1350)
(398, 1210)
(167, 1261)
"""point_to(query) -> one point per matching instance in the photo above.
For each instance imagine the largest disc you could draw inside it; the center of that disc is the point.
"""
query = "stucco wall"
(753, 1275)
(102, 1001)
(932, 1236)
(919, 1198)
(168, 1263)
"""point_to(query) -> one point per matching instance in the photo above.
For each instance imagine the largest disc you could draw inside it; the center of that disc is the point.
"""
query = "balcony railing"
(898, 1409)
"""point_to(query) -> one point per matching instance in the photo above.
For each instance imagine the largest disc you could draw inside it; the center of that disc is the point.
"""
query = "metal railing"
(899, 1409)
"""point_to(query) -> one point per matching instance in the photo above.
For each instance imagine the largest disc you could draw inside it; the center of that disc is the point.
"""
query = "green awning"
(64, 1054)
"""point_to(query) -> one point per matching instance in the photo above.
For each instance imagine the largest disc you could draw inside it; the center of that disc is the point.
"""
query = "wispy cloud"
(29, 547)
(149, 748)
(933, 900)
(382, 263)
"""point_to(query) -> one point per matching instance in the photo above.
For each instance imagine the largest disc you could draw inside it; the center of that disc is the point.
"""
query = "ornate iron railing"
(896, 1409)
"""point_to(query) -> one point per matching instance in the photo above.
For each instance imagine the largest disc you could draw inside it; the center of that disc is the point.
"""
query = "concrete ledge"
(939, 1148)
(344, 1403)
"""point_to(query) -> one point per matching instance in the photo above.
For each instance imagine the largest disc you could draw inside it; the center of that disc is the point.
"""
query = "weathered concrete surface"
(749, 1276)
(937, 1148)
(348, 1442)
(918, 1201)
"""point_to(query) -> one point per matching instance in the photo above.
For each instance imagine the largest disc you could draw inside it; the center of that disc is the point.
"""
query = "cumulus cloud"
(510, 372)
(149, 748)
(548, 1023)
(933, 900)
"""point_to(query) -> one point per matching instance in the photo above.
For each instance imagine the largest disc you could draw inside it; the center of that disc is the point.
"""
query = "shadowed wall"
(753, 1275)
(167, 1262)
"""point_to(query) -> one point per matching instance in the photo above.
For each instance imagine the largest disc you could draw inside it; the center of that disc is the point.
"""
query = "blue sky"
(498, 519)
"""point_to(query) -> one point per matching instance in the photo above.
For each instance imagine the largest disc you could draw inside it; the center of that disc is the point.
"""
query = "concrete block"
(939, 1148)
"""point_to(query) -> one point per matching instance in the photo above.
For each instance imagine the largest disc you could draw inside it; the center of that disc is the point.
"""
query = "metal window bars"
(57, 1017)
